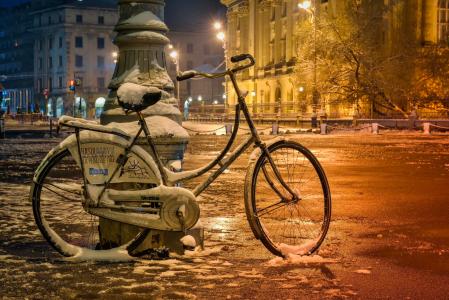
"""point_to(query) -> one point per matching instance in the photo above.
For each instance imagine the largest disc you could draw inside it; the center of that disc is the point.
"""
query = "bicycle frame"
(221, 160)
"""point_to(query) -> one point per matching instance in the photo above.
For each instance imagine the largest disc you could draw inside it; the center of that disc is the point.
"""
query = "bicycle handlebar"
(235, 59)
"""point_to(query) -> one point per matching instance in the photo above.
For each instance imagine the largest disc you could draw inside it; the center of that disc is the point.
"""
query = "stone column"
(429, 21)
(141, 38)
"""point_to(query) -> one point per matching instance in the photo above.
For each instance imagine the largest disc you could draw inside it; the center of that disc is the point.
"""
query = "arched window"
(443, 21)
(99, 106)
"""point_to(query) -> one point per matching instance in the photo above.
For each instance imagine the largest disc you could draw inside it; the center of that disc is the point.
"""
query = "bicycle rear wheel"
(59, 213)
(288, 226)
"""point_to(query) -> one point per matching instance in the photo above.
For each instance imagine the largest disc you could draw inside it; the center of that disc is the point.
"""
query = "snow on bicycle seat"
(136, 98)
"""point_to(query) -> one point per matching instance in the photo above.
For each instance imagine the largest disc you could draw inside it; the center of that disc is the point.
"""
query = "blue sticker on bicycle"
(96, 172)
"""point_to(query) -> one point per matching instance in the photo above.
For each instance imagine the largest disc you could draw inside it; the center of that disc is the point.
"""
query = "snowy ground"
(389, 236)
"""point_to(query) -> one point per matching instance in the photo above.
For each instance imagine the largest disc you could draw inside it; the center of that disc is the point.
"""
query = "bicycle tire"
(307, 232)
(49, 215)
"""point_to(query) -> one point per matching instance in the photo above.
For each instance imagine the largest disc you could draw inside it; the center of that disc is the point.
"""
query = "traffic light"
(72, 85)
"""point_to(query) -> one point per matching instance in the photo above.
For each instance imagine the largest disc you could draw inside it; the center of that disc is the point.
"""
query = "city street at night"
(388, 236)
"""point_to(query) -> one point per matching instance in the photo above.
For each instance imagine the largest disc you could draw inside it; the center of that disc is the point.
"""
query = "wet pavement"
(389, 237)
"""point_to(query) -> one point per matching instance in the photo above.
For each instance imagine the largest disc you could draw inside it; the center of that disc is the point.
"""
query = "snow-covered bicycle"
(100, 174)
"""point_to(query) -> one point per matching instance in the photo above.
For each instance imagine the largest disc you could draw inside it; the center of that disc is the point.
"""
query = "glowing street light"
(115, 56)
(200, 98)
(221, 36)
(218, 25)
(305, 5)
(174, 54)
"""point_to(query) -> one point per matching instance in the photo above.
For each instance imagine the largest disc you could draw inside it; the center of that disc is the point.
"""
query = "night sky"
(180, 14)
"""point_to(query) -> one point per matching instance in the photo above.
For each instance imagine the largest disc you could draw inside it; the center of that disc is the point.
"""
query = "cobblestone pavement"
(389, 236)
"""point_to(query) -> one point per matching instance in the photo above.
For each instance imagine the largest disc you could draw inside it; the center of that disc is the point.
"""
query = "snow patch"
(363, 271)
(132, 93)
(293, 259)
(188, 241)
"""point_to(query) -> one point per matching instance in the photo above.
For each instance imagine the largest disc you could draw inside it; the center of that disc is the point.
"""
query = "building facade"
(197, 50)
(73, 41)
(267, 29)
(16, 63)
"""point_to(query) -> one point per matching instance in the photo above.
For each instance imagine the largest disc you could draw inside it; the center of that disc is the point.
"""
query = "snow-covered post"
(141, 61)
(323, 127)
(375, 128)
(427, 128)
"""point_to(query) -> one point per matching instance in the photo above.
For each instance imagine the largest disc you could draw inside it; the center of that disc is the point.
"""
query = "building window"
(60, 42)
(189, 48)
(50, 62)
(100, 82)
(50, 84)
(189, 65)
(41, 45)
(443, 21)
(60, 60)
(50, 43)
(49, 20)
(78, 61)
(60, 19)
(60, 82)
(79, 19)
(100, 20)
(79, 42)
(100, 43)
(39, 85)
(100, 62)
(40, 63)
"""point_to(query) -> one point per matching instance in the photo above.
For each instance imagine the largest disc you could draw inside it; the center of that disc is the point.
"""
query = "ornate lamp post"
(311, 8)
(141, 60)
(141, 38)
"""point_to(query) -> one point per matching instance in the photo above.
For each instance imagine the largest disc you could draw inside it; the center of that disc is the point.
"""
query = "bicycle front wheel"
(60, 214)
(284, 225)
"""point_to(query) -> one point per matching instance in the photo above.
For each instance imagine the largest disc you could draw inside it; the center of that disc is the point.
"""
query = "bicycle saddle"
(134, 97)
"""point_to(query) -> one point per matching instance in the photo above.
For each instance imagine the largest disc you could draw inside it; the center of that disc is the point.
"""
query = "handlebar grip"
(186, 75)
(240, 57)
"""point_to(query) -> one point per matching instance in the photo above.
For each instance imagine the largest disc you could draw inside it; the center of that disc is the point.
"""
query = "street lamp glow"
(190, 99)
(200, 98)
(170, 46)
(215, 102)
(224, 96)
(114, 54)
(217, 25)
(305, 5)
(253, 93)
(174, 54)
(301, 89)
(221, 36)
